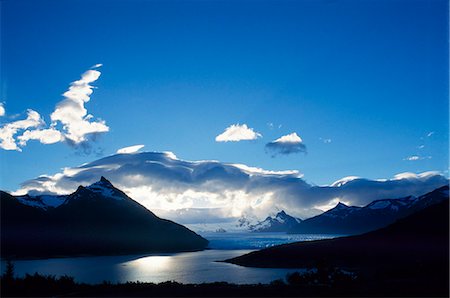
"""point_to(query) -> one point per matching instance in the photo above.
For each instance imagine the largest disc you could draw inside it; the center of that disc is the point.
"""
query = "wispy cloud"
(287, 144)
(70, 113)
(325, 141)
(73, 115)
(420, 154)
(237, 132)
(271, 125)
(130, 149)
(9, 130)
(416, 157)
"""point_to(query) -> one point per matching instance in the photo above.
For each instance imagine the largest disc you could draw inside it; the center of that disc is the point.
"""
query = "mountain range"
(281, 222)
(95, 220)
(351, 220)
(407, 258)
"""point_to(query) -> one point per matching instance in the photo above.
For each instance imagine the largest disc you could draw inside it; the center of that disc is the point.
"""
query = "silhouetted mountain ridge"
(94, 220)
(351, 220)
(420, 239)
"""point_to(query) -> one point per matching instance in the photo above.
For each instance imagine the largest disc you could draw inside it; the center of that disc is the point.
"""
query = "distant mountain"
(347, 220)
(94, 220)
(281, 222)
(412, 253)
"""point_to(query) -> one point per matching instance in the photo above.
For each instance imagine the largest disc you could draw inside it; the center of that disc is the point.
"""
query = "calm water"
(192, 267)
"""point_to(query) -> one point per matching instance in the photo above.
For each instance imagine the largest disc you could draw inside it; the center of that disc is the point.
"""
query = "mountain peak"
(281, 213)
(104, 180)
(105, 188)
(341, 205)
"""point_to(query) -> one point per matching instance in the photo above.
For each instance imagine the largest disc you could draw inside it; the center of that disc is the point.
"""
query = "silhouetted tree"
(8, 276)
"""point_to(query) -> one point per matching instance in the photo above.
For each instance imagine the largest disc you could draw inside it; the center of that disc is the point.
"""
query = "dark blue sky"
(371, 76)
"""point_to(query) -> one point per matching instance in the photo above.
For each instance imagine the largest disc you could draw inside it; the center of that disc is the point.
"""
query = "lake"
(189, 267)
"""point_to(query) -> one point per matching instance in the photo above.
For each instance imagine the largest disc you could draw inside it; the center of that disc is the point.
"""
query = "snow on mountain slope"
(103, 187)
(106, 189)
(43, 202)
(281, 222)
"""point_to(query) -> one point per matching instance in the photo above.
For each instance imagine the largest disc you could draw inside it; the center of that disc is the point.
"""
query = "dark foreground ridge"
(325, 282)
(413, 251)
(95, 220)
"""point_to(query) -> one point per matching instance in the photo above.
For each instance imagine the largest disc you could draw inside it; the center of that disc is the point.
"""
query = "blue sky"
(371, 76)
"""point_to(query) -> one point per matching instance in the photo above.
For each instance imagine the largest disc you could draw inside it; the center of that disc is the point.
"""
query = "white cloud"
(430, 134)
(73, 115)
(344, 180)
(420, 176)
(287, 144)
(9, 130)
(290, 138)
(416, 157)
(2, 110)
(413, 157)
(130, 149)
(77, 124)
(237, 132)
(45, 136)
(97, 65)
(160, 181)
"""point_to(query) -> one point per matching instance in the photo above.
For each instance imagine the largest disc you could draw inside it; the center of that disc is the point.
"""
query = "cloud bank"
(216, 191)
(70, 113)
(237, 132)
(287, 144)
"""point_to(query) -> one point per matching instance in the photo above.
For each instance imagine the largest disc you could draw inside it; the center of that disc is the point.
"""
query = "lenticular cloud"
(161, 181)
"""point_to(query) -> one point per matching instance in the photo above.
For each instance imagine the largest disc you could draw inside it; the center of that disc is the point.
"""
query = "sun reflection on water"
(156, 268)
(151, 263)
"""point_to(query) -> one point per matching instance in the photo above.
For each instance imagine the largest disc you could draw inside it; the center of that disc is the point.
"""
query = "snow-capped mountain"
(281, 222)
(340, 211)
(94, 220)
(349, 220)
(45, 202)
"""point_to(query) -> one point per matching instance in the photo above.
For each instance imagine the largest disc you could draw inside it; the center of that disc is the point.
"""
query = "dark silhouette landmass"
(351, 220)
(412, 251)
(95, 220)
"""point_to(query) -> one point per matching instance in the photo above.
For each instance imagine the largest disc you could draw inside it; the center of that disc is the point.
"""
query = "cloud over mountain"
(237, 132)
(287, 144)
(161, 181)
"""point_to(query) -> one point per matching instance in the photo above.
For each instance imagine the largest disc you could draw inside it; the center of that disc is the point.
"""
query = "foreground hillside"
(95, 220)
(412, 251)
